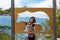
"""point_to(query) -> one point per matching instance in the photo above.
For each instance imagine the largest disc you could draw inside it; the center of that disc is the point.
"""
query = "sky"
(40, 14)
(57, 4)
(34, 3)
(5, 4)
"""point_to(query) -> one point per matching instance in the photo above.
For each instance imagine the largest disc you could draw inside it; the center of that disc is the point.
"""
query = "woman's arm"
(31, 32)
(36, 23)
(24, 21)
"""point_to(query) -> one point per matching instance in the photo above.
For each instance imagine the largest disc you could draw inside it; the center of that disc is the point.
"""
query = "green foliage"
(7, 11)
(4, 27)
(58, 24)
(58, 29)
(4, 36)
(50, 37)
(1, 11)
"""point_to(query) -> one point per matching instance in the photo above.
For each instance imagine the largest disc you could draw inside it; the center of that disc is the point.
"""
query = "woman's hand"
(31, 32)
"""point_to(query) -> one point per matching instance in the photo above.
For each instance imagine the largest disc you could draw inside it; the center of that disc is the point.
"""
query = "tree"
(1, 11)
(4, 36)
(7, 11)
(5, 27)
(58, 24)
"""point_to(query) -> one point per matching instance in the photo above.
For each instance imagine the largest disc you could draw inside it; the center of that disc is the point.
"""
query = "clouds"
(38, 14)
(44, 4)
(18, 3)
(36, 3)
(5, 4)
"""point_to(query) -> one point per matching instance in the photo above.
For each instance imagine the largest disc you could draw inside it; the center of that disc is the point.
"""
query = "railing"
(40, 36)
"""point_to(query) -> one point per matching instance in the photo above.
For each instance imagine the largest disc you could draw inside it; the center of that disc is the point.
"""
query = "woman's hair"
(33, 20)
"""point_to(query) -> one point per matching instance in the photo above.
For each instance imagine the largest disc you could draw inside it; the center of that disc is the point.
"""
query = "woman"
(30, 29)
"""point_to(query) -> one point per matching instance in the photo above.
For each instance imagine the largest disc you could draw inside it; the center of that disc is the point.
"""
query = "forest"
(5, 12)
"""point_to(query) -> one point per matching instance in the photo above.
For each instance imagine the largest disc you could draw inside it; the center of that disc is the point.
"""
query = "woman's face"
(31, 20)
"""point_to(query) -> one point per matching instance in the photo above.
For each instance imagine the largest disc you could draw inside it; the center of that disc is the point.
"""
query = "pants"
(31, 38)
